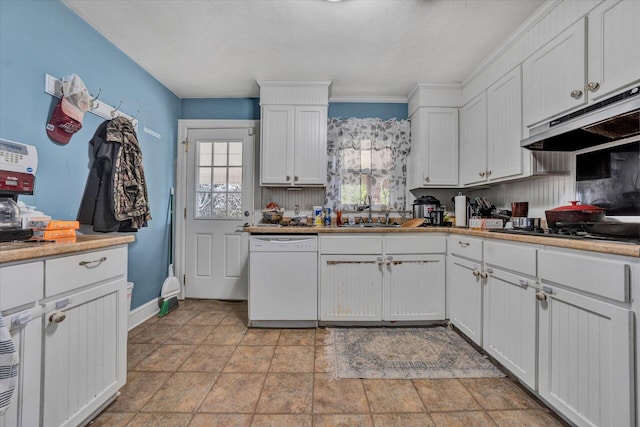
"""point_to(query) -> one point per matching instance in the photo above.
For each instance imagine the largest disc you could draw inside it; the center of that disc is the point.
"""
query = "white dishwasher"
(283, 281)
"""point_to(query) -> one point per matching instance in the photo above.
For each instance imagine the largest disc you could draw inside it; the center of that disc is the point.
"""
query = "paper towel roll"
(461, 211)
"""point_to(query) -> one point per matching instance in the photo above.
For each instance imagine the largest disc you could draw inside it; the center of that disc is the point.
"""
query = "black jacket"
(97, 203)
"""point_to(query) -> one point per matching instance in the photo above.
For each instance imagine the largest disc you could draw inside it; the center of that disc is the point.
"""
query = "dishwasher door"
(283, 280)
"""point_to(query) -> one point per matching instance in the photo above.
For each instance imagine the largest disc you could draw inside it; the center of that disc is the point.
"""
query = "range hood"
(615, 118)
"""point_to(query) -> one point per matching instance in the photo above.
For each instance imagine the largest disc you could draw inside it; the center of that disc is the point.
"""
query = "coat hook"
(91, 105)
(115, 111)
(134, 117)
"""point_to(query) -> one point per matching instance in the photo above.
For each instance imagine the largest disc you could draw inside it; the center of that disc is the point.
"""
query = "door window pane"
(219, 183)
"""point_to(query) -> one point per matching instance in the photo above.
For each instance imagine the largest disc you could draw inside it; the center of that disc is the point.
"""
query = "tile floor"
(201, 366)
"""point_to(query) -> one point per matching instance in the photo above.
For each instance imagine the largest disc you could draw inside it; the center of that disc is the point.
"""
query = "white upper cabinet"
(474, 141)
(276, 147)
(434, 148)
(553, 77)
(593, 58)
(310, 145)
(613, 53)
(293, 137)
(504, 127)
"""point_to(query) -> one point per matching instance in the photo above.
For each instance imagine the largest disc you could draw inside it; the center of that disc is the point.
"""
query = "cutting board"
(412, 223)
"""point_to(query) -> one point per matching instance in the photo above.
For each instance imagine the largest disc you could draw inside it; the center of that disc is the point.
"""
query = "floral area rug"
(430, 352)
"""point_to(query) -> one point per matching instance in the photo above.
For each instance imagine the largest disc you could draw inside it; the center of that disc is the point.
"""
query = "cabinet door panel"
(350, 288)
(585, 359)
(474, 140)
(276, 146)
(414, 287)
(85, 354)
(310, 150)
(434, 148)
(509, 332)
(614, 59)
(551, 74)
(442, 154)
(465, 291)
(504, 121)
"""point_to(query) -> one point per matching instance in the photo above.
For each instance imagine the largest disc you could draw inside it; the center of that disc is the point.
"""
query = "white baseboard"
(144, 312)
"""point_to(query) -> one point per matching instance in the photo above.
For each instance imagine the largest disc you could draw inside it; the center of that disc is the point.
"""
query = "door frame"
(180, 199)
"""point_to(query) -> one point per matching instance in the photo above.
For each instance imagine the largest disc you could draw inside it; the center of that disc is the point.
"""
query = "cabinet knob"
(482, 174)
(288, 178)
(576, 94)
(426, 179)
(593, 86)
(488, 172)
(379, 259)
(476, 273)
(389, 259)
(484, 275)
(541, 296)
(57, 317)
(295, 178)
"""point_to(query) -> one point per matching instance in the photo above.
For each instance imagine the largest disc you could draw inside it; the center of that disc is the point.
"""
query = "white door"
(218, 202)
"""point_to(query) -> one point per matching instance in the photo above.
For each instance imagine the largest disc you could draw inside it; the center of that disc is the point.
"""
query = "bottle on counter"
(327, 217)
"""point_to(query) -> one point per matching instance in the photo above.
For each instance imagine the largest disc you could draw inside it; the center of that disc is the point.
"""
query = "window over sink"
(367, 157)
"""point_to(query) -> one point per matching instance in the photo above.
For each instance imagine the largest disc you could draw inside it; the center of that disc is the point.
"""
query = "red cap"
(62, 125)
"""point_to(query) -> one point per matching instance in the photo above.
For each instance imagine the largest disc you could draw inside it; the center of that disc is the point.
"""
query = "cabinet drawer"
(21, 284)
(468, 247)
(511, 257)
(352, 244)
(600, 276)
(67, 273)
(415, 244)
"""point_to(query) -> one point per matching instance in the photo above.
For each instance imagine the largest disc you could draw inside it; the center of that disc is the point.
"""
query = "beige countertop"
(613, 248)
(17, 251)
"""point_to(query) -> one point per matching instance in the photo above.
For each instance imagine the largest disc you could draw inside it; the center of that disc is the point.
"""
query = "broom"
(171, 286)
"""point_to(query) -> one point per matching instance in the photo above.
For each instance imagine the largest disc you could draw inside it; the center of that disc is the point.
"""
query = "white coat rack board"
(53, 86)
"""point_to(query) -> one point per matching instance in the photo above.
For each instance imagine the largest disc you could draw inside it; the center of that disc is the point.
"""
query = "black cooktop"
(569, 233)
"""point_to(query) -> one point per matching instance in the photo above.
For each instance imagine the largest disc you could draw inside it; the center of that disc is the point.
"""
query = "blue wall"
(249, 109)
(220, 108)
(363, 110)
(38, 37)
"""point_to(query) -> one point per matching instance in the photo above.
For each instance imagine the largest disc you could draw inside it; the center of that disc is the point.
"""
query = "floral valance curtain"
(368, 150)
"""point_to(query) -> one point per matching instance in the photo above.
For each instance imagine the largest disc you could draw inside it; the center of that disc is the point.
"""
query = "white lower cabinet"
(509, 307)
(84, 353)
(414, 287)
(20, 287)
(509, 320)
(464, 285)
(586, 364)
(85, 334)
(382, 277)
(465, 293)
(586, 367)
(351, 287)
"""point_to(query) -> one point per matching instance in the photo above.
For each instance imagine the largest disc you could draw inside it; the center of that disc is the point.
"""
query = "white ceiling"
(367, 48)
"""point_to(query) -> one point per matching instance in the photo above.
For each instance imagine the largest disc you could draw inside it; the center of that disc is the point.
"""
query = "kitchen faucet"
(368, 197)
